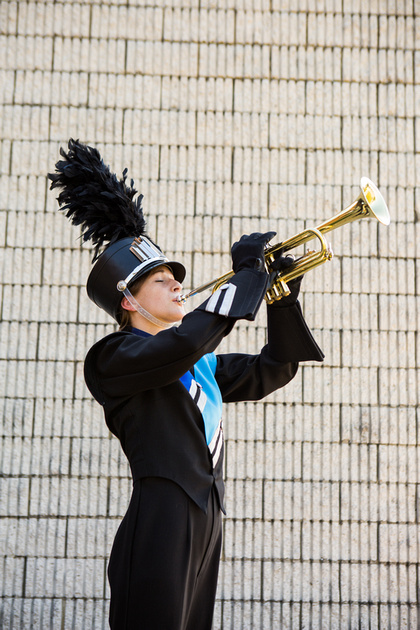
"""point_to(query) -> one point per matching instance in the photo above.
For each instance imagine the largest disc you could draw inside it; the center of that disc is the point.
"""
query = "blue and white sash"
(205, 392)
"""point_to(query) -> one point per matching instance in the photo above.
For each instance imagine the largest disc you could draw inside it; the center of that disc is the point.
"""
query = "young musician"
(162, 386)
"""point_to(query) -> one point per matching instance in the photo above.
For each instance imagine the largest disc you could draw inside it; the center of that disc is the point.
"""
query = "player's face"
(158, 295)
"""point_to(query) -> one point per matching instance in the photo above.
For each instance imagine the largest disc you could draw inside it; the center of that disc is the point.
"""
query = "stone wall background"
(231, 116)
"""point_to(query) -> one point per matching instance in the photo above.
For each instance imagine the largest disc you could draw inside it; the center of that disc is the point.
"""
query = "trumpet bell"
(374, 201)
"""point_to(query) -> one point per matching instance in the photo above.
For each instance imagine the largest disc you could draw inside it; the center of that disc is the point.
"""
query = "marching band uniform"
(162, 397)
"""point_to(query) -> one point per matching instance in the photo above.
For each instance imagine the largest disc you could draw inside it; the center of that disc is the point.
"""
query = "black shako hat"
(93, 197)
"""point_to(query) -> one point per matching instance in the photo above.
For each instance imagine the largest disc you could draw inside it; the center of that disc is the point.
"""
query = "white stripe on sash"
(215, 446)
(198, 396)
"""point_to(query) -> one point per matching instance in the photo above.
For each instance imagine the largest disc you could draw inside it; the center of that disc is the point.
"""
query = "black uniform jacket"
(136, 380)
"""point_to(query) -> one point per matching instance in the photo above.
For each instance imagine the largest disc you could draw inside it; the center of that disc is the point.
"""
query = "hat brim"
(177, 269)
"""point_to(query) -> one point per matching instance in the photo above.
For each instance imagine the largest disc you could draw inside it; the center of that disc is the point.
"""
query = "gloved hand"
(281, 264)
(248, 252)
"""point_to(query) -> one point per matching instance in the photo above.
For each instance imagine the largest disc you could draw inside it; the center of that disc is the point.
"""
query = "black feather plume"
(95, 199)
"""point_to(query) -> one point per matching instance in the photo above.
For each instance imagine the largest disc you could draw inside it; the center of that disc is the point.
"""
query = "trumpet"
(369, 203)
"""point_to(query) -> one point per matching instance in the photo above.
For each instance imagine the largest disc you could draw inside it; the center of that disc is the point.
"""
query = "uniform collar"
(137, 331)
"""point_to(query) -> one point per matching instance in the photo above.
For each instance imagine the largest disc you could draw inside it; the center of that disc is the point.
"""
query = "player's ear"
(125, 304)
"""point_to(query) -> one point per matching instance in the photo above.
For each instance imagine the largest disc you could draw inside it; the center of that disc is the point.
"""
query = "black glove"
(248, 252)
(281, 264)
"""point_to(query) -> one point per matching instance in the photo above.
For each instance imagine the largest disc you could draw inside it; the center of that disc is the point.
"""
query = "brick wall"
(230, 116)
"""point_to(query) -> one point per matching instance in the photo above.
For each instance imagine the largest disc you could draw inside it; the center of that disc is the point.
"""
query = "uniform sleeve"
(241, 297)
(251, 377)
(289, 337)
(124, 363)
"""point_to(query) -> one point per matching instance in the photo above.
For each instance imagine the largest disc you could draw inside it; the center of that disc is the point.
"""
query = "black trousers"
(165, 559)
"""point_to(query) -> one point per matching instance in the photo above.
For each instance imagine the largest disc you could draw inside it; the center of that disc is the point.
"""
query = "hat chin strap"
(130, 297)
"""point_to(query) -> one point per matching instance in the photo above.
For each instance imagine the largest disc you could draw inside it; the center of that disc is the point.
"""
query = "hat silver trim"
(144, 249)
(147, 262)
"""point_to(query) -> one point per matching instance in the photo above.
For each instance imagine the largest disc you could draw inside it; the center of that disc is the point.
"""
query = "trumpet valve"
(278, 290)
(282, 288)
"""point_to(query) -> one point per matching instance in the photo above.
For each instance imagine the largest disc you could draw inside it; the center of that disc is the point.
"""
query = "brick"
(9, 17)
(7, 85)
